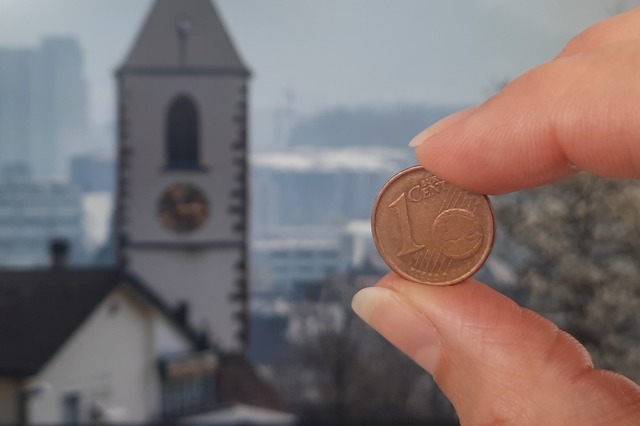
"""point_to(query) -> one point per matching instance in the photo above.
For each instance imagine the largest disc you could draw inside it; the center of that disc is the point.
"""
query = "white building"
(117, 345)
(43, 106)
(283, 264)
(93, 345)
(288, 258)
(94, 171)
(312, 186)
(34, 213)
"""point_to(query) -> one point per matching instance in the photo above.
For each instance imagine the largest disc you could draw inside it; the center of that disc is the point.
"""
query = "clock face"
(183, 208)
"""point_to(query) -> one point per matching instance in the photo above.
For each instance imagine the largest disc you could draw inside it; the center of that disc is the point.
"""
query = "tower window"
(182, 134)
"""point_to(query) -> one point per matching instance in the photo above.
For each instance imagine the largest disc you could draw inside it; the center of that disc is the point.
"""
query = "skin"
(498, 363)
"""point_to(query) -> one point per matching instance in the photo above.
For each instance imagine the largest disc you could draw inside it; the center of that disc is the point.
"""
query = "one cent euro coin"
(430, 231)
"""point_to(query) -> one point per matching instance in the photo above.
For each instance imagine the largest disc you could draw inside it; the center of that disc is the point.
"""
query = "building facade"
(94, 172)
(43, 106)
(181, 203)
(286, 258)
(320, 186)
(93, 345)
(32, 213)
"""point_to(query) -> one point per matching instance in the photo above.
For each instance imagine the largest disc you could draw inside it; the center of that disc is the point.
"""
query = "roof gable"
(184, 34)
(39, 310)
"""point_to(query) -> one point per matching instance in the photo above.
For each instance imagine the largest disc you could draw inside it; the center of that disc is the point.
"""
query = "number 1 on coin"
(408, 244)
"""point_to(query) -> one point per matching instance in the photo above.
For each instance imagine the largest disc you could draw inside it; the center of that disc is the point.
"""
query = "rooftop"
(39, 310)
(347, 159)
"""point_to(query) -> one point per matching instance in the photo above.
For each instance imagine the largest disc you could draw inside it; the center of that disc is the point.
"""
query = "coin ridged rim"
(395, 268)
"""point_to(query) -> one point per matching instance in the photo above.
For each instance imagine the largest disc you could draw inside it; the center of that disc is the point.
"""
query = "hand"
(499, 363)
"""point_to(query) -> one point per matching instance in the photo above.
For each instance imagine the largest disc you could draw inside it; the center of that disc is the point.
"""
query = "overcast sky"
(334, 52)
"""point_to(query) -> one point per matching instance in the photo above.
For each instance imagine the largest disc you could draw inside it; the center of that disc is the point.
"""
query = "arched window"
(182, 134)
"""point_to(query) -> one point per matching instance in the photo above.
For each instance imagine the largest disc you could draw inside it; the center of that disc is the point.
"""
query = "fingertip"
(366, 300)
(461, 154)
(440, 125)
(398, 321)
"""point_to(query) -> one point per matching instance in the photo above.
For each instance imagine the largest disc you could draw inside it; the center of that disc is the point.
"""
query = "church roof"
(41, 309)
(184, 35)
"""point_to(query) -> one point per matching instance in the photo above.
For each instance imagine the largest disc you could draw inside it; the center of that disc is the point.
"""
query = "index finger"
(580, 112)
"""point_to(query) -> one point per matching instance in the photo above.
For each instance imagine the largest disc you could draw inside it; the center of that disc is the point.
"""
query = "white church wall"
(149, 178)
(165, 339)
(205, 278)
(183, 51)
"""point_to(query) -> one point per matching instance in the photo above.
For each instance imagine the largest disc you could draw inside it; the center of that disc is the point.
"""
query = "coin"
(430, 231)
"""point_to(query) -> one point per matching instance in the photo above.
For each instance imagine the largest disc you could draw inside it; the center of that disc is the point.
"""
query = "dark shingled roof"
(39, 310)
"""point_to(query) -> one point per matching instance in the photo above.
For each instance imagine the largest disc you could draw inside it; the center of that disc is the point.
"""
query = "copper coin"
(430, 231)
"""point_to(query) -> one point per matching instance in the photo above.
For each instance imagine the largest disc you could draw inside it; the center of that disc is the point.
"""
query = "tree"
(382, 127)
(342, 371)
(581, 245)
(620, 6)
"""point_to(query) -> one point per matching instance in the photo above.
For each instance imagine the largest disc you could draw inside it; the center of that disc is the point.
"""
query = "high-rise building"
(17, 103)
(181, 228)
(318, 186)
(43, 106)
(32, 214)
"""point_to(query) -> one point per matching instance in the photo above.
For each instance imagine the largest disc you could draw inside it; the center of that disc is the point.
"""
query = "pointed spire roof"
(184, 34)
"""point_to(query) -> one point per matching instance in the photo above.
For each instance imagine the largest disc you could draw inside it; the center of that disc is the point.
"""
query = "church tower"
(182, 198)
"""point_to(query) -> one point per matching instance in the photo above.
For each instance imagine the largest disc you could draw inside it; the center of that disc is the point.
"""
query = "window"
(71, 409)
(187, 395)
(305, 254)
(182, 134)
(328, 254)
(279, 254)
(188, 383)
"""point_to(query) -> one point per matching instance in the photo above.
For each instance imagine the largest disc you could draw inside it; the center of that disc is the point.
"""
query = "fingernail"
(440, 126)
(400, 323)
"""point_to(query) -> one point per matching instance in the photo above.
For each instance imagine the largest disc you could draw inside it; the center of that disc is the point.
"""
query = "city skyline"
(343, 54)
(246, 159)
(43, 107)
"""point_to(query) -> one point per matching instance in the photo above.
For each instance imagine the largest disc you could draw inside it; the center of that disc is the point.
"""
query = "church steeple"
(184, 33)
(182, 192)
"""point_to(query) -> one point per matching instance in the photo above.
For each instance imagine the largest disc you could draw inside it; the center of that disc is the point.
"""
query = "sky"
(333, 53)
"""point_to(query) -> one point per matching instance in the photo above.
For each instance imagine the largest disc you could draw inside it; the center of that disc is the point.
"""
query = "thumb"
(498, 363)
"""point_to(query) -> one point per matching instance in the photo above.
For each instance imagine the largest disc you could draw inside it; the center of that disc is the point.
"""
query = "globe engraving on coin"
(430, 231)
